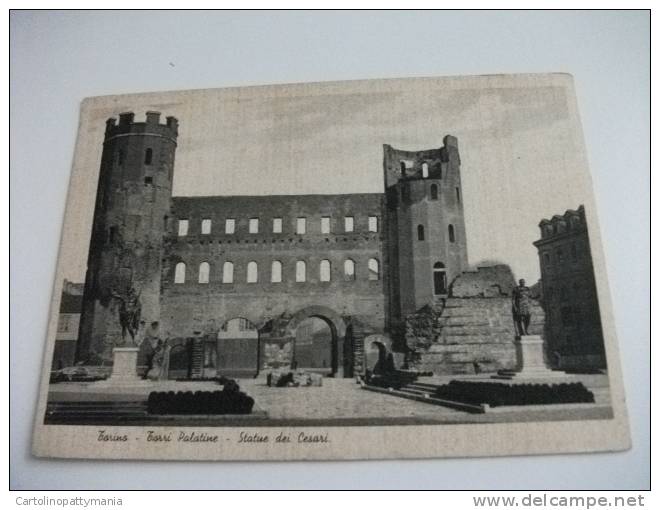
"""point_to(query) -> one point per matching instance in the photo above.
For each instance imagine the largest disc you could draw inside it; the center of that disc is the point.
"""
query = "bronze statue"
(130, 310)
(521, 306)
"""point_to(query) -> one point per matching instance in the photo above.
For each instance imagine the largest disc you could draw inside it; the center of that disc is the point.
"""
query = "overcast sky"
(519, 140)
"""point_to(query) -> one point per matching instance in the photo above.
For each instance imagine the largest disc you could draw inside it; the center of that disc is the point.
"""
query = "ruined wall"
(470, 333)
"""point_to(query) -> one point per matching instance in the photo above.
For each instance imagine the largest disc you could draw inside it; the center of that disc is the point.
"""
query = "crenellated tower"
(131, 216)
(427, 245)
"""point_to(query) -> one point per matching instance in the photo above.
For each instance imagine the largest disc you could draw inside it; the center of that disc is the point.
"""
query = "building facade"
(229, 280)
(574, 333)
(68, 323)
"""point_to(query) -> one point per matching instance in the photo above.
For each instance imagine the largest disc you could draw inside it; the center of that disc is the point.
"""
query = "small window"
(434, 191)
(206, 226)
(373, 223)
(574, 252)
(325, 225)
(349, 269)
(374, 269)
(277, 225)
(425, 170)
(276, 271)
(148, 180)
(204, 270)
(183, 228)
(458, 196)
(301, 225)
(253, 226)
(180, 273)
(324, 271)
(559, 255)
(420, 232)
(252, 272)
(228, 272)
(148, 155)
(348, 224)
(546, 259)
(301, 271)
(452, 234)
(230, 225)
(121, 156)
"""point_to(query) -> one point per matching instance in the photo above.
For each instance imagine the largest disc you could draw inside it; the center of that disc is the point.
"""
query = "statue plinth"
(530, 360)
(124, 365)
(124, 369)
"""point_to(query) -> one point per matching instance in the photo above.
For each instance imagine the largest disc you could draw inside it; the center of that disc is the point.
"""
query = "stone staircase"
(469, 335)
(90, 412)
(425, 392)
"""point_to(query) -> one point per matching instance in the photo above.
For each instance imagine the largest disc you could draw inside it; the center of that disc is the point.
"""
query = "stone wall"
(470, 333)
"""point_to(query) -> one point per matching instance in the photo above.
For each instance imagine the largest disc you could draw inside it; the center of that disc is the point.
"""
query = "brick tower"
(425, 224)
(131, 215)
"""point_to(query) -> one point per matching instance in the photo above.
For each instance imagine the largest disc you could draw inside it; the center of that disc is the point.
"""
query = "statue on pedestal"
(130, 310)
(521, 306)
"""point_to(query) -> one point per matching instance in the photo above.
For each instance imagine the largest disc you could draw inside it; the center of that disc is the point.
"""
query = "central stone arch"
(338, 330)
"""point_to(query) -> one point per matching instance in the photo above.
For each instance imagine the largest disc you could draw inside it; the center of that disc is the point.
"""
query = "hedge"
(499, 394)
(228, 401)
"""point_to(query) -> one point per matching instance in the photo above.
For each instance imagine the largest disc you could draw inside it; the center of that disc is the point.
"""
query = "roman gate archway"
(340, 359)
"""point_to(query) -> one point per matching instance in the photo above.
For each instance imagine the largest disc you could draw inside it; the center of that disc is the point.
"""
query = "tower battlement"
(151, 125)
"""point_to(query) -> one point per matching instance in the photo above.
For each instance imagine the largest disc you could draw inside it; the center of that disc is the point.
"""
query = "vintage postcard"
(373, 269)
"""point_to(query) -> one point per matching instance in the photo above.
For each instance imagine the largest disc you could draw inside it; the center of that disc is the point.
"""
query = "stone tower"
(425, 225)
(131, 216)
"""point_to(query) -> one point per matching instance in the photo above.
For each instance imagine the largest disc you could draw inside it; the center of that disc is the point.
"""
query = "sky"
(519, 138)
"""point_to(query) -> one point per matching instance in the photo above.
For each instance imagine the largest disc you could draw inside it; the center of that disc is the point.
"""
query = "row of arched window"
(450, 232)
(252, 273)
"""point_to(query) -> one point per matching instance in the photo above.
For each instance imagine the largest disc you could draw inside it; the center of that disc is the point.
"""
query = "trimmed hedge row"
(499, 394)
(228, 401)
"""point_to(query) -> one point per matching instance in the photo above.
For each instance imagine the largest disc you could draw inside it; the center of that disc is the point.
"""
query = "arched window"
(252, 272)
(180, 273)
(349, 269)
(276, 271)
(374, 269)
(420, 232)
(439, 279)
(324, 271)
(204, 270)
(301, 271)
(148, 155)
(452, 234)
(425, 170)
(228, 272)
(434, 191)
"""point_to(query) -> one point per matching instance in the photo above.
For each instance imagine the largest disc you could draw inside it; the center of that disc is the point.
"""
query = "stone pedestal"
(124, 364)
(124, 369)
(530, 360)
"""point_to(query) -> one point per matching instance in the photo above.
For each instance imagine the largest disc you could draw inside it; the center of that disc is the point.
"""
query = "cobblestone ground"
(336, 399)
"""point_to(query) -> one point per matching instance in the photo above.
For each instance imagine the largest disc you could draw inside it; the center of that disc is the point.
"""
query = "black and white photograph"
(319, 256)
